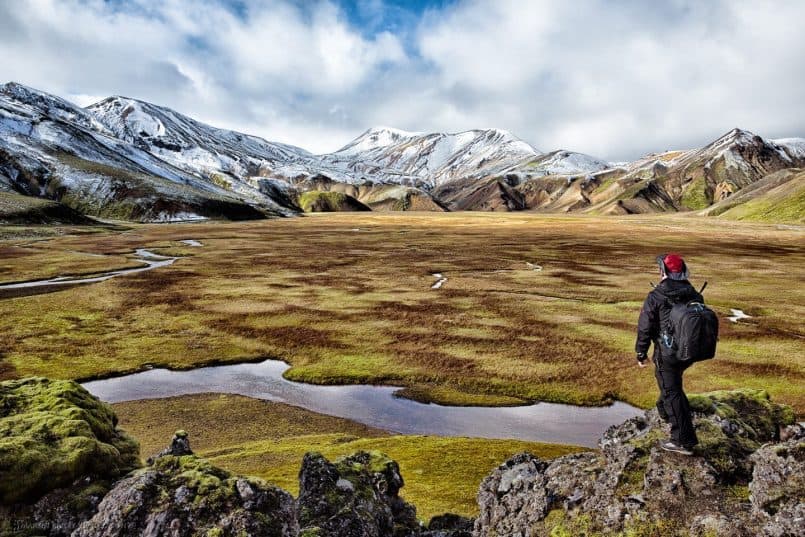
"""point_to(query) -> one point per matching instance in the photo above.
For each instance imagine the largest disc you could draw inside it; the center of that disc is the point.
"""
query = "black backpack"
(692, 332)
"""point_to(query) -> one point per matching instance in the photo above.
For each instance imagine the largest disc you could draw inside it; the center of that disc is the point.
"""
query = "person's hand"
(641, 360)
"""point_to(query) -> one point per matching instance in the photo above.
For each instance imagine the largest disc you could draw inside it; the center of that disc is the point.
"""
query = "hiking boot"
(670, 445)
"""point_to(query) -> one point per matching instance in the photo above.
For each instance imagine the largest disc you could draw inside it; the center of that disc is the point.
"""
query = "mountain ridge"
(126, 158)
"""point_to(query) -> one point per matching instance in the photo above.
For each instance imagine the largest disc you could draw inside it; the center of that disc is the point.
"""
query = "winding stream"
(373, 405)
(149, 259)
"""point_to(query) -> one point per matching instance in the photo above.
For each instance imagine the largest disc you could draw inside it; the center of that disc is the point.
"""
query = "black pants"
(673, 404)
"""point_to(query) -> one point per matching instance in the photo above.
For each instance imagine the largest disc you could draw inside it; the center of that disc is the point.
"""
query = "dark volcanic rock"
(357, 496)
(180, 445)
(778, 485)
(632, 486)
(181, 495)
(449, 525)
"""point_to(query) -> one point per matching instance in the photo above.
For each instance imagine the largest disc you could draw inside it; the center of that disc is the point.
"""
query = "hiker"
(672, 403)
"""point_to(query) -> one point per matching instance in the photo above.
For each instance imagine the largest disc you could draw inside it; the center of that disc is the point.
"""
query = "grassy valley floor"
(265, 439)
(535, 307)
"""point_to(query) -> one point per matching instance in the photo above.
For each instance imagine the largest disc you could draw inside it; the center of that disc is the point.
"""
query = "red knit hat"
(673, 266)
(674, 263)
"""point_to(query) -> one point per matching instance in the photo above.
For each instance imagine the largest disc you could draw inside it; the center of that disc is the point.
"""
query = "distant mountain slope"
(52, 149)
(19, 209)
(431, 159)
(778, 197)
(235, 161)
(686, 180)
(129, 159)
(317, 201)
(435, 159)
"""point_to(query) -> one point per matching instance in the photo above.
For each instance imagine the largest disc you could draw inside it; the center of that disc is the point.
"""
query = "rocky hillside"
(746, 478)
(65, 469)
(670, 181)
(128, 159)
(52, 149)
(778, 197)
(18, 209)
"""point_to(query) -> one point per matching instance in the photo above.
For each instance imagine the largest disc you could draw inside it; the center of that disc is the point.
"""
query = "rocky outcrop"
(734, 485)
(66, 470)
(181, 494)
(777, 490)
(357, 496)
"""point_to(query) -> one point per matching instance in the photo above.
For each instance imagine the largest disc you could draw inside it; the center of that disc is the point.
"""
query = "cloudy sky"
(613, 78)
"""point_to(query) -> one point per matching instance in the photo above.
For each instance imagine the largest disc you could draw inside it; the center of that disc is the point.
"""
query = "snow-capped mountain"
(54, 149)
(431, 159)
(561, 163)
(125, 158)
(794, 147)
(191, 145)
(380, 155)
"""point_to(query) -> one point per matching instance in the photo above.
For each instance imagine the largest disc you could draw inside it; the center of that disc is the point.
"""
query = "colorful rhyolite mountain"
(127, 159)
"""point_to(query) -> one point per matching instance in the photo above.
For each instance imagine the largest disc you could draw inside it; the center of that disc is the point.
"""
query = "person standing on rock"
(672, 403)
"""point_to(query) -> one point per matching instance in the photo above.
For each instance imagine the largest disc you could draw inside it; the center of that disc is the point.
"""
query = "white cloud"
(615, 79)
(619, 79)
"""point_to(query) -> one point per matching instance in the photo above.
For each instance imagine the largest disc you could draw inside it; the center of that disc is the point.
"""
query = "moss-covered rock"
(635, 488)
(357, 496)
(53, 432)
(186, 495)
(731, 425)
(777, 490)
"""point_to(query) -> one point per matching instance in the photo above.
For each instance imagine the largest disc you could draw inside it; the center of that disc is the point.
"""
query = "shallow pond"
(373, 405)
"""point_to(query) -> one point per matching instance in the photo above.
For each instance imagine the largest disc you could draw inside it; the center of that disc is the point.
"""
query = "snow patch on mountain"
(432, 159)
(376, 137)
(564, 163)
(793, 146)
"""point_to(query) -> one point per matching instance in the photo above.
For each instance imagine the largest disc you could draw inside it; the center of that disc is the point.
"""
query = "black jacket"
(657, 308)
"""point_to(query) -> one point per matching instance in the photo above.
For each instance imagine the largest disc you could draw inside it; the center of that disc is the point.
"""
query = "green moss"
(606, 184)
(580, 526)
(752, 409)
(86, 497)
(212, 487)
(788, 210)
(632, 191)
(739, 492)
(116, 210)
(654, 528)
(634, 473)
(53, 432)
(221, 180)
(695, 195)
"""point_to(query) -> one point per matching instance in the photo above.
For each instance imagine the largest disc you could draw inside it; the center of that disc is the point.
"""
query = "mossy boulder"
(54, 432)
(186, 495)
(356, 496)
(731, 425)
